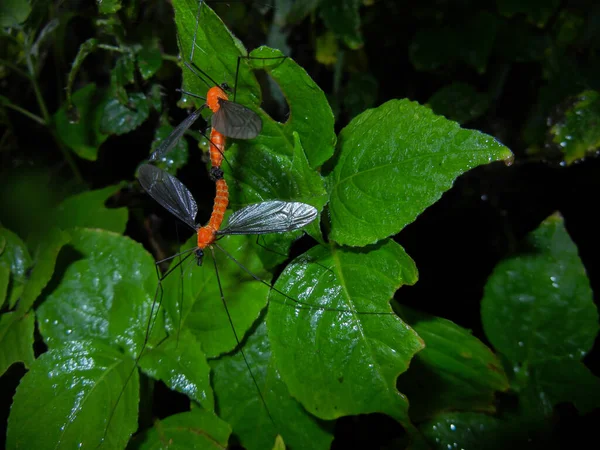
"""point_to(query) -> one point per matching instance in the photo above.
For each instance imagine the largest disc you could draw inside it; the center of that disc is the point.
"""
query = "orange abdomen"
(217, 146)
(208, 234)
(212, 98)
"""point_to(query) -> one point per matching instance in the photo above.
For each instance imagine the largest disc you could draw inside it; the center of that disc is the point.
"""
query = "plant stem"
(47, 119)
(23, 111)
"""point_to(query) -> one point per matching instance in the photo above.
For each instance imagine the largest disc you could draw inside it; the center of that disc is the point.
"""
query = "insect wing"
(270, 217)
(168, 144)
(169, 192)
(236, 121)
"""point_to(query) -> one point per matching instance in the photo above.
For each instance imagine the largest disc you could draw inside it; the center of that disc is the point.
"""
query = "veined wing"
(236, 121)
(270, 217)
(169, 192)
(166, 145)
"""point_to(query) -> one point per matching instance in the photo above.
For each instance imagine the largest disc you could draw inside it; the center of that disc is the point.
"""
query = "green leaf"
(344, 332)
(14, 257)
(192, 429)
(538, 303)
(538, 12)
(459, 102)
(394, 162)
(265, 162)
(106, 293)
(240, 401)
(342, 17)
(455, 370)
(180, 363)
(566, 380)
(120, 119)
(202, 311)
(471, 430)
(16, 339)
(43, 267)
(149, 60)
(14, 12)
(177, 157)
(69, 395)
(88, 210)
(578, 134)
(109, 6)
(83, 136)
(471, 41)
(4, 280)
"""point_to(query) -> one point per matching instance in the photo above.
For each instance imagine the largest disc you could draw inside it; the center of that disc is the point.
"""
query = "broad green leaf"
(203, 312)
(394, 162)
(578, 133)
(4, 280)
(85, 305)
(177, 157)
(259, 414)
(16, 339)
(43, 266)
(88, 210)
(566, 380)
(14, 257)
(83, 136)
(265, 159)
(180, 363)
(342, 17)
(69, 395)
(121, 75)
(459, 102)
(196, 429)
(109, 6)
(538, 12)
(13, 12)
(120, 119)
(149, 60)
(455, 370)
(472, 430)
(538, 303)
(471, 41)
(343, 332)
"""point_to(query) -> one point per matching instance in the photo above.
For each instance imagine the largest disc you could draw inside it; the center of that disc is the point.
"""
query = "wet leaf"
(240, 401)
(68, 396)
(149, 60)
(394, 162)
(538, 303)
(578, 134)
(455, 370)
(344, 331)
(120, 119)
(83, 137)
(16, 259)
(16, 339)
(192, 429)
(88, 209)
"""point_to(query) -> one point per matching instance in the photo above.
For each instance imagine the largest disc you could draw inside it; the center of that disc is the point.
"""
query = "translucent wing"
(236, 121)
(270, 217)
(169, 192)
(172, 139)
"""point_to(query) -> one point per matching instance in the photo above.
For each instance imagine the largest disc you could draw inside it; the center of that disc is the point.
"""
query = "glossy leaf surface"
(394, 162)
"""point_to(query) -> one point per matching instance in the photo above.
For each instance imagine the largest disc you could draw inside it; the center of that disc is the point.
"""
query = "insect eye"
(225, 87)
